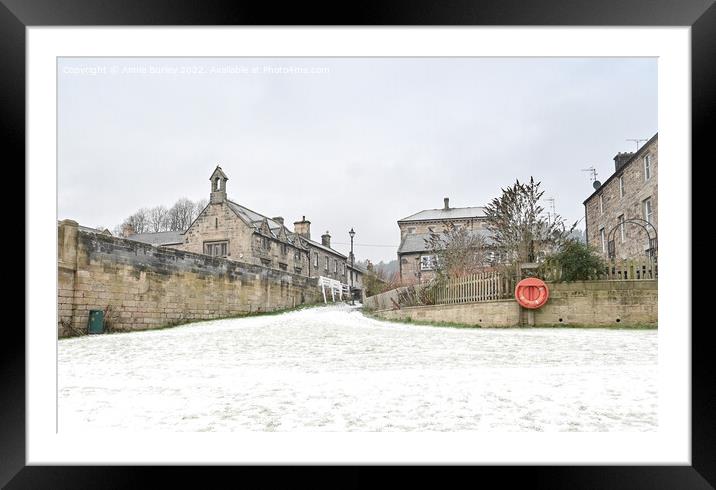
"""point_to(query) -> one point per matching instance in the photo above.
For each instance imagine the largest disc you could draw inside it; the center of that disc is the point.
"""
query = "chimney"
(447, 203)
(620, 159)
(326, 240)
(302, 228)
(278, 219)
(127, 230)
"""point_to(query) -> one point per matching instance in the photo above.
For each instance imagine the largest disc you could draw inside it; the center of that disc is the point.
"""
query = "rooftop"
(103, 231)
(621, 170)
(416, 242)
(159, 238)
(323, 247)
(446, 214)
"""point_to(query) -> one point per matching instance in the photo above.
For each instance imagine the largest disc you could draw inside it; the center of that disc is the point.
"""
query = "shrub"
(578, 262)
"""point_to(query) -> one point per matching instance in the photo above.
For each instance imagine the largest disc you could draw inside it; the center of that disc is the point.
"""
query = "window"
(216, 222)
(297, 257)
(427, 262)
(284, 248)
(603, 239)
(621, 186)
(326, 265)
(647, 167)
(283, 267)
(216, 249)
(315, 261)
(265, 243)
(335, 266)
(601, 204)
(622, 228)
(648, 211)
(297, 270)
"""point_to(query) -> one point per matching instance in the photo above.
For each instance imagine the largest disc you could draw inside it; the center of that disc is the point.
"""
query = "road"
(331, 368)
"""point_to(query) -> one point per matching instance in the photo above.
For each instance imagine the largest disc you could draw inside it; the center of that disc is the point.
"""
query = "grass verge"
(178, 323)
(429, 323)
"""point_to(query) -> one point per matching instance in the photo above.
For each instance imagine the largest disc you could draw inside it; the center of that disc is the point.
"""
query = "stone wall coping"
(185, 254)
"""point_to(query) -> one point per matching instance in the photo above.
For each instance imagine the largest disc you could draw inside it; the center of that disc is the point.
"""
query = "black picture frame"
(700, 15)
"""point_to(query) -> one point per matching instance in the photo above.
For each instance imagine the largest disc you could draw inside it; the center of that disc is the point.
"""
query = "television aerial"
(593, 175)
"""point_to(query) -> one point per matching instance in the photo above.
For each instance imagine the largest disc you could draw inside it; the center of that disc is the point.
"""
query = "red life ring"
(531, 293)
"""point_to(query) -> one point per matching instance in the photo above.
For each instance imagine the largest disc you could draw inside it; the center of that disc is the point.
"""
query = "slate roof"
(256, 219)
(160, 238)
(94, 230)
(415, 242)
(323, 247)
(358, 268)
(446, 214)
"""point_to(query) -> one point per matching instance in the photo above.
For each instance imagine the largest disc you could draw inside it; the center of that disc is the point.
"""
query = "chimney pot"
(326, 240)
(447, 203)
(620, 159)
(302, 228)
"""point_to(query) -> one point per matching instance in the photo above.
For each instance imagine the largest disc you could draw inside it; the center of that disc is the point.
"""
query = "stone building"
(415, 260)
(621, 214)
(227, 229)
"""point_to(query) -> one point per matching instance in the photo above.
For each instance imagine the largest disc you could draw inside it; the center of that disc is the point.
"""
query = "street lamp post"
(352, 234)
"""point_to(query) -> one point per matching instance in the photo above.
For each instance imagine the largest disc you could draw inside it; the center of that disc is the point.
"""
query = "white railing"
(335, 287)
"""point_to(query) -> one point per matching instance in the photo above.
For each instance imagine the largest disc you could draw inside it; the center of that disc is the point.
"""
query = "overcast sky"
(347, 142)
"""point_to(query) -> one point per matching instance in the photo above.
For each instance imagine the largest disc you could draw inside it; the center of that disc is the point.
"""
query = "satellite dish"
(596, 184)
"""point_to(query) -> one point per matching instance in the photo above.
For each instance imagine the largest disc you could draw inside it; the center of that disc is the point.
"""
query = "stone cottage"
(621, 214)
(416, 261)
(227, 229)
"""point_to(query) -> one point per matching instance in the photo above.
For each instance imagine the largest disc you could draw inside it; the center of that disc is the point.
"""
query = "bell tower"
(218, 186)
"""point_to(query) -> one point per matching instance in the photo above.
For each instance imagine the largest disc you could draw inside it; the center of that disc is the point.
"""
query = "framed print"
(481, 285)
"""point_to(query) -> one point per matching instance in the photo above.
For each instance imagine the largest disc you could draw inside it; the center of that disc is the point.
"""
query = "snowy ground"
(333, 369)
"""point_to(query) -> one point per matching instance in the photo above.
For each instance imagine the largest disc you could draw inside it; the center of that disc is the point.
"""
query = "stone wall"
(580, 303)
(147, 287)
(631, 205)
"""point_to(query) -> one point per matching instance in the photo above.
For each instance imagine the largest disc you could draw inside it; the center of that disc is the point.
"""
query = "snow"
(331, 368)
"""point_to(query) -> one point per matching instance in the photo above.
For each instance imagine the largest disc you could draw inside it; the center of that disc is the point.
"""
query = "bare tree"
(519, 227)
(198, 208)
(158, 219)
(181, 214)
(458, 251)
(138, 222)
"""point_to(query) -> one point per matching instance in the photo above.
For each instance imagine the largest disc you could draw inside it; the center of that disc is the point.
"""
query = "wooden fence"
(483, 286)
(617, 269)
(491, 286)
(645, 268)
